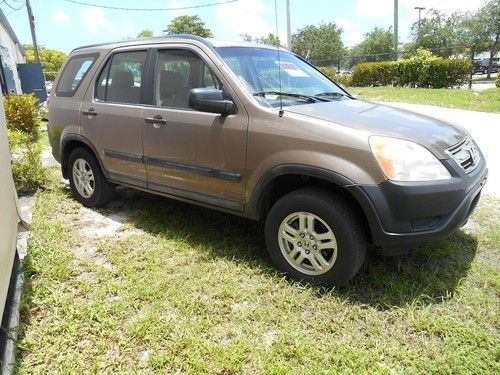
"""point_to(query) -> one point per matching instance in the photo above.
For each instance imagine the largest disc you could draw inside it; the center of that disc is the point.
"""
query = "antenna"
(281, 112)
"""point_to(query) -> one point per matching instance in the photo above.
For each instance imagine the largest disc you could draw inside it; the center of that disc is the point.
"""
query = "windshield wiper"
(309, 98)
(333, 94)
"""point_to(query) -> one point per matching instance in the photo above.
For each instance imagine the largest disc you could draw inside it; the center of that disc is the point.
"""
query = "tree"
(50, 59)
(322, 44)
(146, 33)
(487, 24)
(271, 39)
(438, 33)
(192, 25)
(378, 43)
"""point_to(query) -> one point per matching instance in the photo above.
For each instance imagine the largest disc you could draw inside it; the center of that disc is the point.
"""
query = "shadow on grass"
(431, 273)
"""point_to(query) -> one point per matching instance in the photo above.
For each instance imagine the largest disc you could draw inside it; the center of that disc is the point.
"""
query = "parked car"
(237, 127)
(478, 67)
(48, 86)
(485, 63)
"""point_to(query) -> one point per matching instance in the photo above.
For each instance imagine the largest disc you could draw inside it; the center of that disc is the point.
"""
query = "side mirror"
(210, 100)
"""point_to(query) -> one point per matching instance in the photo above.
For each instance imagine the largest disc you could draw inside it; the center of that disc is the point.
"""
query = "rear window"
(74, 73)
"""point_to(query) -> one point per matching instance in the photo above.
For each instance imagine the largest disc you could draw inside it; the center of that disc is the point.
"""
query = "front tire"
(314, 236)
(88, 184)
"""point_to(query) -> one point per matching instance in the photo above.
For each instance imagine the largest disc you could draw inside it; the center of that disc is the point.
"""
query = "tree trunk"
(490, 63)
(493, 52)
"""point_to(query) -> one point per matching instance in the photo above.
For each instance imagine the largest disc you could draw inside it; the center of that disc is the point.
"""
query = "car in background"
(485, 63)
(478, 67)
(48, 86)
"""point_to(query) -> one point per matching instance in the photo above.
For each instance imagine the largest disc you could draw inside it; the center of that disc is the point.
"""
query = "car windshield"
(259, 69)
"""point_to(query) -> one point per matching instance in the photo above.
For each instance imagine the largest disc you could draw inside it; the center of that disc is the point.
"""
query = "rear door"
(112, 115)
(194, 154)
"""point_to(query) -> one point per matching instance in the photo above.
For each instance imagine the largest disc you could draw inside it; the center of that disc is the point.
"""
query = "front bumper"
(401, 215)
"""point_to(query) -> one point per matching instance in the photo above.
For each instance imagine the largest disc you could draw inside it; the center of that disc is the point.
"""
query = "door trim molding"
(167, 164)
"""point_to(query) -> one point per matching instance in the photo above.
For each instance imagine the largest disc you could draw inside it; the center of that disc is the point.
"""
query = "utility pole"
(288, 26)
(420, 9)
(395, 29)
(32, 27)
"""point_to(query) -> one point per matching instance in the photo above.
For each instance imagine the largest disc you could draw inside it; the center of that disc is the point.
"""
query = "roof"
(209, 42)
(10, 31)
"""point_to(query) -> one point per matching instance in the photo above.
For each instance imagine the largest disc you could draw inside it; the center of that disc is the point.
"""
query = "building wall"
(11, 54)
(9, 217)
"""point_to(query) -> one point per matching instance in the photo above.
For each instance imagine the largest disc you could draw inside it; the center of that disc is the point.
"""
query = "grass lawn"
(485, 101)
(151, 285)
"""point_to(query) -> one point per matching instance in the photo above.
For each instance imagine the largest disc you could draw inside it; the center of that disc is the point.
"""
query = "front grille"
(466, 154)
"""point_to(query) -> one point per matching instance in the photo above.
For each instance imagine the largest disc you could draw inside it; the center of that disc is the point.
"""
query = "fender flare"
(78, 138)
(253, 207)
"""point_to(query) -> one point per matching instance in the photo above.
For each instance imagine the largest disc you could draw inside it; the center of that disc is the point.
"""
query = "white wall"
(9, 213)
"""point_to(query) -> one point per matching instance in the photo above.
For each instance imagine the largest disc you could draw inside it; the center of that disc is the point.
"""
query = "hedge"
(381, 73)
(497, 82)
(22, 114)
(23, 122)
(420, 70)
(341, 79)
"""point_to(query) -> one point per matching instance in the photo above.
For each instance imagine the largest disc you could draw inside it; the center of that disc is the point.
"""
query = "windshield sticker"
(291, 69)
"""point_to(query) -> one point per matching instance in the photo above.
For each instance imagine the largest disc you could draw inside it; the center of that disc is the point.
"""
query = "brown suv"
(244, 129)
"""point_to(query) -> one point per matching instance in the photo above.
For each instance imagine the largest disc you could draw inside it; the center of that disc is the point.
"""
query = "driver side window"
(177, 72)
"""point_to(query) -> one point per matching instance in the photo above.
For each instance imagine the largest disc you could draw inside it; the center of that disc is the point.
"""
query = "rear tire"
(88, 184)
(317, 237)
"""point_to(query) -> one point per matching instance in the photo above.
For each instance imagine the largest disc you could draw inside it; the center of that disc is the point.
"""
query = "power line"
(150, 9)
(10, 6)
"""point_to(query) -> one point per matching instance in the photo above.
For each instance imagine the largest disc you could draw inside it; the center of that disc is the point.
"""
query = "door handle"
(90, 112)
(156, 121)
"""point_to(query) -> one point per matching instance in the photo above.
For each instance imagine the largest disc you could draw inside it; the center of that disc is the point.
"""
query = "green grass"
(485, 101)
(181, 289)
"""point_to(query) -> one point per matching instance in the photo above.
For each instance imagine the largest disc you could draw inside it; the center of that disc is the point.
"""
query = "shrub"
(374, 74)
(27, 168)
(21, 113)
(344, 80)
(497, 82)
(423, 69)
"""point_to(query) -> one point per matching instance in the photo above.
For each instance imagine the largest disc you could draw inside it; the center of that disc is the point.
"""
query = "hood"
(377, 119)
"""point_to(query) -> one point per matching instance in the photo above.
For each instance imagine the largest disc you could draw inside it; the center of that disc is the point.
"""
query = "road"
(484, 128)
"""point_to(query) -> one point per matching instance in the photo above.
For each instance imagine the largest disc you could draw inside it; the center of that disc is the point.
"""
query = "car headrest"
(170, 81)
(122, 79)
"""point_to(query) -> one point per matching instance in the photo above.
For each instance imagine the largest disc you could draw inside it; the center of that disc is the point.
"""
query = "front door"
(112, 116)
(188, 153)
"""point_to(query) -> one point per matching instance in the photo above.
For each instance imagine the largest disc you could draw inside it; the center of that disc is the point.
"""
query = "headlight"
(402, 160)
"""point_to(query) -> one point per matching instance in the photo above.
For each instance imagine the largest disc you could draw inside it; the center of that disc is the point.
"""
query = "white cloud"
(350, 35)
(447, 6)
(95, 20)
(245, 17)
(374, 8)
(60, 17)
(384, 8)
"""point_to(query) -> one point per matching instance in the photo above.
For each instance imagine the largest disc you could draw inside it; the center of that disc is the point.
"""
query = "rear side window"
(74, 73)
(121, 79)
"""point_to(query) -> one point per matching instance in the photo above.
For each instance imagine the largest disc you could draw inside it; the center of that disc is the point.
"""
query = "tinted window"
(73, 74)
(121, 79)
(177, 72)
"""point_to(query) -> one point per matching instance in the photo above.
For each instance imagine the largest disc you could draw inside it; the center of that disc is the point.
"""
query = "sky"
(63, 25)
